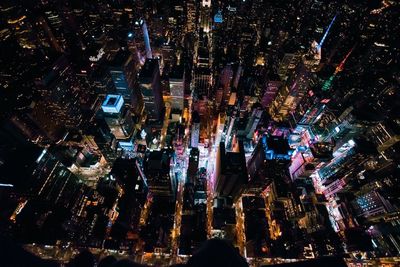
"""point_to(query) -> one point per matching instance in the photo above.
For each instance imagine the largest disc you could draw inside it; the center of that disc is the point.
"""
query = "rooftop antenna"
(319, 46)
(328, 83)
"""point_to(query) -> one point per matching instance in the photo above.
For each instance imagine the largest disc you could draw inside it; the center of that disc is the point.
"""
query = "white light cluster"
(99, 55)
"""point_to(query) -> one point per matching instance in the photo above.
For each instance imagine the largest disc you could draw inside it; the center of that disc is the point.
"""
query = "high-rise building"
(150, 87)
(191, 15)
(271, 90)
(130, 175)
(225, 81)
(256, 169)
(203, 57)
(238, 74)
(42, 177)
(204, 111)
(254, 119)
(202, 82)
(348, 161)
(306, 159)
(385, 135)
(193, 166)
(205, 16)
(106, 142)
(21, 127)
(231, 172)
(371, 204)
(45, 190)
(119, 120)
(276, 147)
(195, 133)
(177, 87)
(218, 17)
(157, 171)
(123, 73)
(312, 60)
(287, 65)
(52, 39)
(290, 95)
(59, 107)
(54, 182)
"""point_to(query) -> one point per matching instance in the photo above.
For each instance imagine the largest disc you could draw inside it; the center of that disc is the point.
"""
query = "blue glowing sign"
(218, 17)
(112, 104)
(126, 145)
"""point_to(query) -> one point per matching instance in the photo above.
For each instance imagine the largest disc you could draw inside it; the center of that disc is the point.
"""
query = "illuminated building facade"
(59, 108)
(312, 60)
(191, 14)
(177, 87)
(371, 204)
(385, 135)
(119, 120)
(271, 90)
(205, 16)
(287, 65)
(49, 190)
(202, 81)
(123, 74)
(308, 157)
(195, 133)
(350, 158)
(82, 80)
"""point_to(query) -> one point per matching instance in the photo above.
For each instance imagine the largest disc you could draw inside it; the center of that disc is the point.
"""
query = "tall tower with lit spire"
(146, 38)
(319, 46)
(328, 83)
(313, 59)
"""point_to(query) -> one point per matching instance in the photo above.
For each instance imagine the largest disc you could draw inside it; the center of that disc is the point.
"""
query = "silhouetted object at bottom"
(107, 261)
(213, 253)
(127, 263)
(84, 259)
(217, 253)
(13, 255)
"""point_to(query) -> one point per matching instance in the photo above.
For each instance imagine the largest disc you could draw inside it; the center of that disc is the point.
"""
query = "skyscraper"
(271, 90)
(177, 87)
(157, 172)
(119, 120)
(205, 15)
(123, 73)
(195, 134)
(191, 16)
(59, 107)
(150, 86)
(231, 172)
(202, 82)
